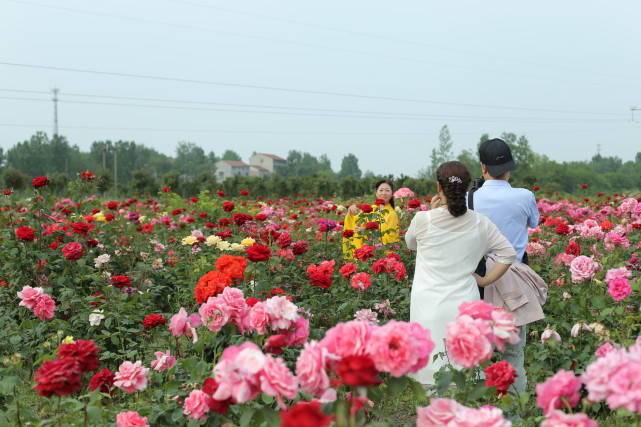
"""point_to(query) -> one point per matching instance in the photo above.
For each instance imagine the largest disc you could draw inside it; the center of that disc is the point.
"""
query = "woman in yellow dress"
(384, 214)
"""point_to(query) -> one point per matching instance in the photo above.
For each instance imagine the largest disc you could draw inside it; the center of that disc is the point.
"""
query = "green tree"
(440, 154)
(349, 167)
(191, 159)
(230, 155)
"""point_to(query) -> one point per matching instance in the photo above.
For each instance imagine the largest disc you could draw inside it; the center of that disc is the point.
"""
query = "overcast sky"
(566, 71)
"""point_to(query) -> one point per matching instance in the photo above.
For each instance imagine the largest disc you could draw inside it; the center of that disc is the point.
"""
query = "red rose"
(536, 188)
(584, 186)
(321, 275)
(364, 253)
(39, 181)
(220, 193)
(7, 191)
(121, 281)
(224, 222)
(371, 225)
(166, 189)
(244, 192)
(87, 176)
(25, 233)
(347, 269)
(260, 217)
(300, 247)
(573, 248)
(153, 320)
(379, 202)
(81, 228)
(112, 204)
(109, 216)
(258, 252)
(73, 251)
(562, 229)
(500, 375)
(241, 218)
(103, 380)
(305, 414)
(232, 265)
(348, 233)
(194, 200)
(252, 301)
(224, 234)
(210, 386)
(414, 203)
(357, 371)
(606, 225)
(365, 208)
(85, 352)
(61, 377)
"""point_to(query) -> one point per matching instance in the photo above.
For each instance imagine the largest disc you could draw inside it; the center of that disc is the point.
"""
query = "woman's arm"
(493, 275)
(413, 230)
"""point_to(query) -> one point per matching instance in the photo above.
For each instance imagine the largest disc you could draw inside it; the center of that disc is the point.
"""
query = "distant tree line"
(127, 167)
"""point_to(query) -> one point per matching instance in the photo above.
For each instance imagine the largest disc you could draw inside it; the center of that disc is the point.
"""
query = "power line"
(282, 132)
(348, 116)
(382, 37)
(277, 40)
(277, 107)
(287, 90)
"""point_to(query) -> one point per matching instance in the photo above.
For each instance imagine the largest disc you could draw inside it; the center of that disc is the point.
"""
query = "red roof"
(272, 156)
(236, 163)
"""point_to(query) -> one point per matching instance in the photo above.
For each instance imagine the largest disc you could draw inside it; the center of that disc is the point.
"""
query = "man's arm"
(533, 212)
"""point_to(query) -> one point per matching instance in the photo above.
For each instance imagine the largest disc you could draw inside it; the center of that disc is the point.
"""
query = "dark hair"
(388, 182)
(455, 180)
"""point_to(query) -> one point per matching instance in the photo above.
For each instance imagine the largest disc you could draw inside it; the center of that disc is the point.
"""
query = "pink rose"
(29, 296)
(163, 362)
(558, 418)
(197, 404)
(276, 380)
(183, 324)
(504, 329)
(439, 413)
(282, 312)
(583, 268)
(131, 377)
(467, 343)
(617, 273)
(235, 301)
(214, 313)
(258, 318)
(131, 419)
(348, 339)
(299, 332)
(237, 373)
(478, 309)
(619, 288)
(400, 347)
(310, 369)
(550, 334)
(625, 386)
(485, 416)
(604, 349)
(45, 307)
(558, 391)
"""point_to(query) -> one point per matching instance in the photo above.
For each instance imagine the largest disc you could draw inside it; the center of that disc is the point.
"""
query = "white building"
(270, 162)
(258, 171)
(230, 168)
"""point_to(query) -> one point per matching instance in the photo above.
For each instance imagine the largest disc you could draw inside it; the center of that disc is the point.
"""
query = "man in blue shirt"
(512, 210)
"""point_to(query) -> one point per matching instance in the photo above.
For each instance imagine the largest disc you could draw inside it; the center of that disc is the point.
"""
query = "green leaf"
(246, 418)
(397, 385)
(8, 384)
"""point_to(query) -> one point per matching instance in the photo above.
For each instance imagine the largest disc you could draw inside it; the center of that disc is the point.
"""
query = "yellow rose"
(100, 217)
(68, 340)
(212, 240)
(237, 247)
(247, 241)
(189, 240)
(223, 246)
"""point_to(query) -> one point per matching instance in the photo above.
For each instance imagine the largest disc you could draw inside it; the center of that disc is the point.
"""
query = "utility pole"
(104, 157)
(55, 111)
(115, 170)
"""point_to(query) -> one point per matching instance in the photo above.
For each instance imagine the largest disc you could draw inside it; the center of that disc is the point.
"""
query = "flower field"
(234, 310)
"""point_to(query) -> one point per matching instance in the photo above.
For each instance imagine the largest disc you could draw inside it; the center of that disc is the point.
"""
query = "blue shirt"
(512, 210)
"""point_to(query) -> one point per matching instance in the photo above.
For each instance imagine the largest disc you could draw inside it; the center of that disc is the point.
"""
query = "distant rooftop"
(235, 163)
(273, 156)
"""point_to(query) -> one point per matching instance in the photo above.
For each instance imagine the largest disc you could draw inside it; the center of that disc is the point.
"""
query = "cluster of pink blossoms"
(242, 373)
(619, 287)
(616, 378)
(450, 413)
(479, 328)
(356, 351)
(583, 268)
(36, 300)
(276, 314)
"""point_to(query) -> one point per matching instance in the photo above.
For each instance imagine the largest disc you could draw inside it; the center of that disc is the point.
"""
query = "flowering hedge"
(220, 309)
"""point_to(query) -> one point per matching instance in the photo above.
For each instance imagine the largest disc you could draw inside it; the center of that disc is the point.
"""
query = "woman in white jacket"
(450, 240)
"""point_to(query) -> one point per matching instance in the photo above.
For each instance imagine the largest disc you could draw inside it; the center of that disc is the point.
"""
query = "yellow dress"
(389, 226)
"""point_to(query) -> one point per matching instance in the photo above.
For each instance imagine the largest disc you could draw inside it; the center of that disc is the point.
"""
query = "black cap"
(496, 155)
